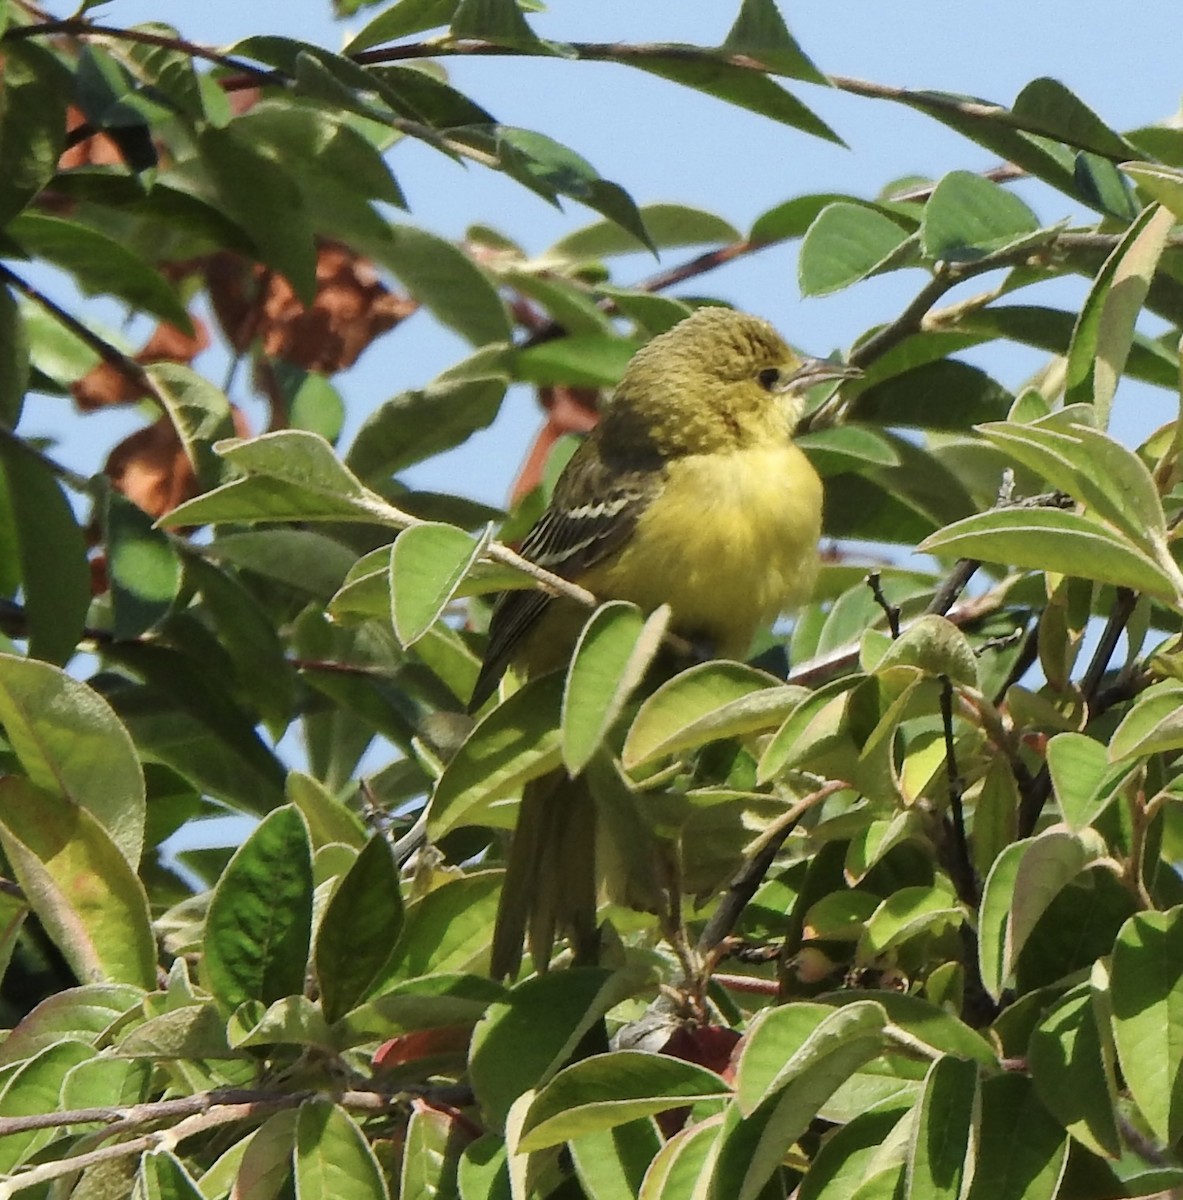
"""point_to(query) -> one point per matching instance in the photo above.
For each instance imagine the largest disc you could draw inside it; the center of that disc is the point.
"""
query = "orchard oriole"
(688, 492)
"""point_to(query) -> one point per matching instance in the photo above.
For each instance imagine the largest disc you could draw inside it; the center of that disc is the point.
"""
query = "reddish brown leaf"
(351, 307)
(421, 1044)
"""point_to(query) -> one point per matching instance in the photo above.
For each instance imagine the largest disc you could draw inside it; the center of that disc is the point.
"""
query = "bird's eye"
(768, 378)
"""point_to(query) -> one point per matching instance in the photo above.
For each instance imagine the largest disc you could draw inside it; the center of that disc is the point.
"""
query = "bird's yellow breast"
(729, 543)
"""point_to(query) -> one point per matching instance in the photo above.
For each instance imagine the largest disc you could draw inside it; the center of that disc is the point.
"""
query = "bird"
(688, 492)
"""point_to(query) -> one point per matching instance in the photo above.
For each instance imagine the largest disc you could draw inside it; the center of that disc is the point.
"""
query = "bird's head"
(716, 381)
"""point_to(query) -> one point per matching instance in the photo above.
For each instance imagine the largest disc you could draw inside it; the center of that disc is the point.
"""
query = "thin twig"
(205, 1111)
(81, 28)
(1119, 616)
(743, 886)
(112, 355)
(963, 872)
(1039, 787)
(891, 611)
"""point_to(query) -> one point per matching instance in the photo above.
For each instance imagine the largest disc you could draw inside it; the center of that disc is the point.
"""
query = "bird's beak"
(817, 370)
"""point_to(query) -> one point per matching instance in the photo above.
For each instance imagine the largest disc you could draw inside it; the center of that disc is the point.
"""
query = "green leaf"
(611, 1089)
(736, 85)
(1025, 879)
(302, 559)
(446, 281)
(753, 1147)
(611, 657)
(1147, 992)
(399, 20)
(760, 32)
(683, 1162)
(710, 701)
(328, 819)
(552, 169)
(200, 413)
(142, 567)
(430, 1155)
(907, 913)
(1041, 539)
(51, 551)
(523, 1040)
(101, 265)
(850, 1158)
(941, 1157)
(968, 217)
(75, 1014)
(846, 243)
(255, 945)
(669, 226)
(1022, 1150)
(69, 741)
(1153, 725)
(79, 884)
(14, 367)
(784, 1043)
(427, 564)
(1071, 1074)
(582, 360)
(256, 192)
(13, 911)
(1082, 780)
(162, 1176)
(936, 646)
(292, 475)
(430, 1002)
(448, 930)
(1164, 184)
(1061, 114)
(37, 87)
(265, 679)
(928, 1023)
(36, 1087)
(846, 448)
(499, 21)
(1104, 330)
(359, 928)
(517, 741)
(1094, 468)
(420, 424)
(920, 395)
(611, 1163)
(332, 1156)
(266, 1164)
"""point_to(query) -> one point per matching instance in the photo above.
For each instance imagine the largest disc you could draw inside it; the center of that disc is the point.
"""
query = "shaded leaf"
(68, 741)
(611, 1089)
(79, 884)
(260, 915)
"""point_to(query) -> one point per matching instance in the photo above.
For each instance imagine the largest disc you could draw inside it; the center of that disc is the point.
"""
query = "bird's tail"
(550, 877)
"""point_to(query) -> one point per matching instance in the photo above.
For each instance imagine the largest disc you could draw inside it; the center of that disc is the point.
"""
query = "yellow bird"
(688, 492)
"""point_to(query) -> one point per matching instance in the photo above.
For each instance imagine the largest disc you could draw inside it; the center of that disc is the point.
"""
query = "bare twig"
(962, 872)
(1035, 793)
(743, 886)
(890, 611)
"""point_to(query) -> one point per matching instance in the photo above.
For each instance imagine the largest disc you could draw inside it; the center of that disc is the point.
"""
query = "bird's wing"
(594, 511)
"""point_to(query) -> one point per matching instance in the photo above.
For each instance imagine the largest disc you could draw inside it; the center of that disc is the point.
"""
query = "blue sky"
(663, 142)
